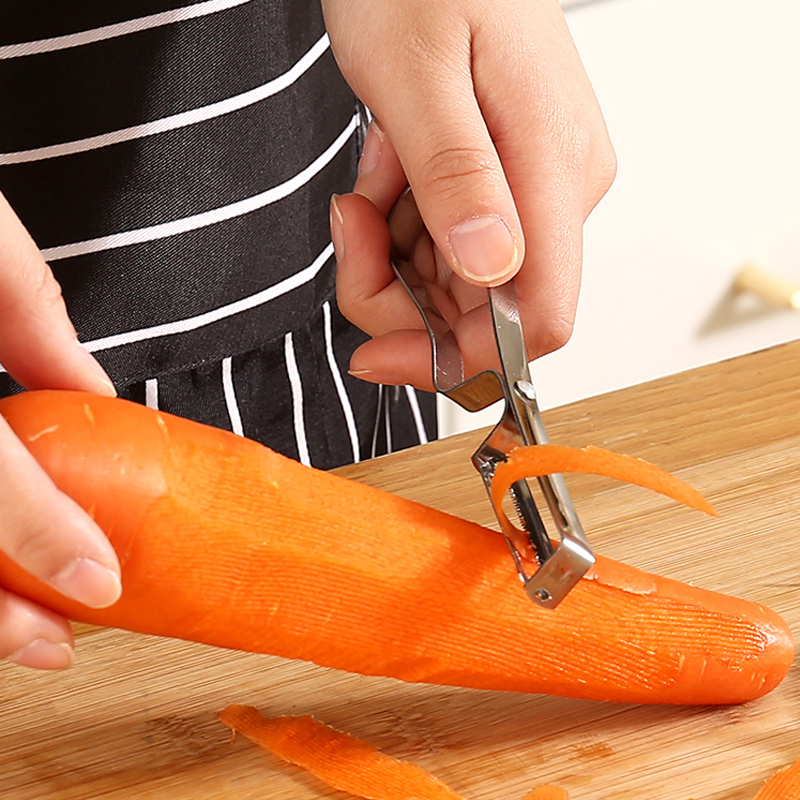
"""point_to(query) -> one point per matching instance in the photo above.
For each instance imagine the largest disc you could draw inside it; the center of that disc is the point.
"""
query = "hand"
(485, 110)
(40, 528)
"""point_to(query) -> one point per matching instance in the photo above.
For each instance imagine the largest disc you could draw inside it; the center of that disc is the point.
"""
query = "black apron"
(174, 161)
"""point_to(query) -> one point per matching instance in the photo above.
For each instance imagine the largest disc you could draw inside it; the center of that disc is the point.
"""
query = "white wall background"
(702, 102)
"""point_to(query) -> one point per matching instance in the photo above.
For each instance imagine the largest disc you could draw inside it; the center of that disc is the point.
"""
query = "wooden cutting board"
(136, 716)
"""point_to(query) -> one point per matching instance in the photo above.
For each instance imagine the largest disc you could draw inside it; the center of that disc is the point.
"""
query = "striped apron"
(174, 161)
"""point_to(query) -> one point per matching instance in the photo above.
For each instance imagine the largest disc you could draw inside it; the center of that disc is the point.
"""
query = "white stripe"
(151, 393)
(339, 383)
(377, 422)
(175, 121)
(297, 400)
(230, 397)
(118, 29)
(387, 419)
(417, 414)
(209, 317)
(217, 314)
(206, 218)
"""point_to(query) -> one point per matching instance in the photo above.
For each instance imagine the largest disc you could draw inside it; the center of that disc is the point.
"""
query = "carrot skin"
(345, 763)
(547, 792)
(224, 542)
(783, 785)
(338, 759)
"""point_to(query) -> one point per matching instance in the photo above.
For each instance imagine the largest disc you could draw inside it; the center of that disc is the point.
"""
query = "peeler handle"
(437, 293)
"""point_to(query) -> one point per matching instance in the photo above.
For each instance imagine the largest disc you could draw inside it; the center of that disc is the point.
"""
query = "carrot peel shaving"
(547, 792)
(338, 759)
(548, 459)
(783, 785)
(348, 764)
(345, 763)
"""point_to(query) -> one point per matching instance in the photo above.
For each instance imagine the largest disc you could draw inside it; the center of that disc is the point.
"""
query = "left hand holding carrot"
(42, 529)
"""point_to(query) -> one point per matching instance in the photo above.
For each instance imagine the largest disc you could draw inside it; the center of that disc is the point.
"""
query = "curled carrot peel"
(224, 542)
(548, 459)
(783, 785)
(338, 759)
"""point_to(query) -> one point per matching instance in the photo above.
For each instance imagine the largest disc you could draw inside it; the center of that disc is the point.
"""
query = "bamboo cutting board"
(136, 716)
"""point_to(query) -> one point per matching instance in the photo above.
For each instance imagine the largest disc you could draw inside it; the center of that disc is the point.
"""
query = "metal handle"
(441, 297)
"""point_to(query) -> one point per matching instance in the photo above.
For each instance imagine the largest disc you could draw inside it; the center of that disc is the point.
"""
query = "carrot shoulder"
(225, 542)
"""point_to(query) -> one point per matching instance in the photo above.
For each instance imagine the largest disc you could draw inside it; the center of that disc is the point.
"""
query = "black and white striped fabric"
(174, 161)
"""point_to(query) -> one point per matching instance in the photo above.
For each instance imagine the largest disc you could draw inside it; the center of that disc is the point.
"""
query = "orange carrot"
(546, 459)
(351, 765)
(224, 542)
(547, 792)
(339, 760)
(345, 763)
(783, 785)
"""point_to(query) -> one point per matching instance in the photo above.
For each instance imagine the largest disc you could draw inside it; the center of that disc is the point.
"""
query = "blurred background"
(702, 103)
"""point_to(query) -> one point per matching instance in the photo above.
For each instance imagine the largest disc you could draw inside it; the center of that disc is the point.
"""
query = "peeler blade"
(437, 293)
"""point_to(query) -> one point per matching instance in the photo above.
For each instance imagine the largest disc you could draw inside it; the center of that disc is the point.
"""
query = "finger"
(48, 534)
(399, 358)
(33, 637)
(368, 292)
(436, 125)
(381, 178)
(38, 345)
(559, 163)
(405, 357)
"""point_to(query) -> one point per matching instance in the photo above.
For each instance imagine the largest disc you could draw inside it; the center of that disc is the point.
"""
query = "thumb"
(38, 344)
(458, 180)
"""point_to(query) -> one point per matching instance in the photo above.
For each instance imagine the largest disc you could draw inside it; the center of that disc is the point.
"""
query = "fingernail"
(103, 384)
(89, 582)
(378, 377)
(337, 228)
(484, 248)
(371, 154)
(41, 654)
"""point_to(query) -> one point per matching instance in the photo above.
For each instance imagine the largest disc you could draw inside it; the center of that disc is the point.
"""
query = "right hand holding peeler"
(438, 293)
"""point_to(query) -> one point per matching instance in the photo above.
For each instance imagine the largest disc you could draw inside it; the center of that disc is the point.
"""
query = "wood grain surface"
(136, 716)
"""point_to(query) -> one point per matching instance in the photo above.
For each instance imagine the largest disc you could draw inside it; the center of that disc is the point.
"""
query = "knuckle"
(37, 290)
(354, 305)
(584, 146)
(604, 168)
(445, 171)
(346, 304)
(587, 155)
(555, 328)
(32, 545)
(554, 336)
(576, 144)
(45, 289)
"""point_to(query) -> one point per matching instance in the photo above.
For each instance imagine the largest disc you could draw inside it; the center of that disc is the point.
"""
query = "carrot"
(224, 542)
(345, 763)
(547, 792)
(351, 765)
(339, 760)
(547, 459)
(783, 785)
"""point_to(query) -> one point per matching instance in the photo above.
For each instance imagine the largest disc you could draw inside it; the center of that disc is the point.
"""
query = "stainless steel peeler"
(437, 293)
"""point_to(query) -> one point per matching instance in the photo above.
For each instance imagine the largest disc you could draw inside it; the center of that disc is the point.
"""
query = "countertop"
(136, 716)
